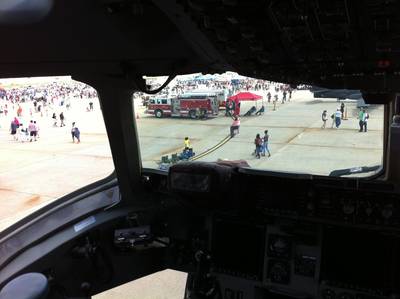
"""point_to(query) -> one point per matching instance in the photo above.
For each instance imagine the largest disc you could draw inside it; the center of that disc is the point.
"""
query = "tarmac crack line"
(26, 193)
(57, 157)
(63, 153)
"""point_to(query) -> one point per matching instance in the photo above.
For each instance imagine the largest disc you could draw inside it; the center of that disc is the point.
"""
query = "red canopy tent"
(245, 96)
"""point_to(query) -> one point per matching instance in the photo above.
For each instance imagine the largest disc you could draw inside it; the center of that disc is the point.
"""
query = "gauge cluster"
(336, 205)
(305, 260)
(345, 207)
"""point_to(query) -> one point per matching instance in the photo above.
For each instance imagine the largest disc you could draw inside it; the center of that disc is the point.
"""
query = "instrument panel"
(301, 237)
(304, 260)
(319, 240)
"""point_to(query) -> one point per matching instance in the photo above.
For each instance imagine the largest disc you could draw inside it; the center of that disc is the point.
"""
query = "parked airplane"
(340, 94)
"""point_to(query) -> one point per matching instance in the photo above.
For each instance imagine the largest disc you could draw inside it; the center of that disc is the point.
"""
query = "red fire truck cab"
(186, 105)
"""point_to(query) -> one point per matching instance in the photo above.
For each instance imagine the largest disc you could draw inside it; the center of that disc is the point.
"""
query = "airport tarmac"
(36, 173)
(32, 174)
(297, 142)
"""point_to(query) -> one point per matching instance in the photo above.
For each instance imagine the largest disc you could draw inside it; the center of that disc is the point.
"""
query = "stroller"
(23, 134)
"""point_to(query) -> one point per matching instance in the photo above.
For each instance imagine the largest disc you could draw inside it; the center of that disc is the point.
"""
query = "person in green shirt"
(361, 119)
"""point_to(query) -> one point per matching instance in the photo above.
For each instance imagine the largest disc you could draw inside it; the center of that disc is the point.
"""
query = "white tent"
(205, 77)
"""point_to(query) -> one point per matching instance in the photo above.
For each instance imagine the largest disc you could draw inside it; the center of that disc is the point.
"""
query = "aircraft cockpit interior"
(239, 232)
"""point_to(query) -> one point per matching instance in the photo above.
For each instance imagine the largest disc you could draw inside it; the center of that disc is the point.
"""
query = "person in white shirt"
(32, 131)
(338, 117)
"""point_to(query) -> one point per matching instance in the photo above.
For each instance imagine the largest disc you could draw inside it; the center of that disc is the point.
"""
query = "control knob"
(348, 208)
(310, 207)
(279, 246)
(387, 211)
(279, 272)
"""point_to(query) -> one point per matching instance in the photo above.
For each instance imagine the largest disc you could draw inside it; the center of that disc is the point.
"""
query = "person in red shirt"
(237, 108)
(19, 111)
(258, 142)
(16, 121)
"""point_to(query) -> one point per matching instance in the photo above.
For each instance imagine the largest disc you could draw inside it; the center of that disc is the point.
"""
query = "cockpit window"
(272, 126)
(52, 133)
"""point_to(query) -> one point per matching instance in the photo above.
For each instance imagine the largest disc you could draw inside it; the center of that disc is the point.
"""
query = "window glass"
(278, 127)
(52, 133)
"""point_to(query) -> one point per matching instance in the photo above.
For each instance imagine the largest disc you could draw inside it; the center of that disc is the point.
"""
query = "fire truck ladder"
(210, 150)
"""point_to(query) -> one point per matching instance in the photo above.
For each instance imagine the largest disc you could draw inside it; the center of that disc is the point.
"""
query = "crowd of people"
(231, 85)
(29, 105)
(276, 91)
(48, 92)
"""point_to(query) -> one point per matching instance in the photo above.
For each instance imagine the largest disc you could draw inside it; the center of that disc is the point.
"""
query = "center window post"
(115, 96)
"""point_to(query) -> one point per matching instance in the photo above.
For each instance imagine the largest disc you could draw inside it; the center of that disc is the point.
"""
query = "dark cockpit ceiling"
(97, 36)
(335, 43)
(339, 43)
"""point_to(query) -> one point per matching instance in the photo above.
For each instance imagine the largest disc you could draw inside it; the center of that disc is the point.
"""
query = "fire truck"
(191, 105)
(220, 95)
